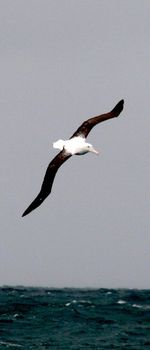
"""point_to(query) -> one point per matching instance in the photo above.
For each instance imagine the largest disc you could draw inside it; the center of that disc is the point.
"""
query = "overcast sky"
(61, 62)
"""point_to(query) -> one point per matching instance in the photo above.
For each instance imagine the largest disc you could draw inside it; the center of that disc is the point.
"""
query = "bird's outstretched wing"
(62, 156)
(48, 180)
(87, 125)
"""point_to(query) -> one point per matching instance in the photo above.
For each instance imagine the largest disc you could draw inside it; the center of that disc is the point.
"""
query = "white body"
(76, 145)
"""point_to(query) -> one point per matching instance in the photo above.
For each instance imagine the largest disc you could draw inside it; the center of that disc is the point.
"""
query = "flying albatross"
(76, 145)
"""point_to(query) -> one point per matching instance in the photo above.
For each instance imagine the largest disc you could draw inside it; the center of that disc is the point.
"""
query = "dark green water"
(42, 318)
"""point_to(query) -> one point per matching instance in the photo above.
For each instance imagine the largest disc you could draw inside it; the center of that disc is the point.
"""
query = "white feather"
(75, 145)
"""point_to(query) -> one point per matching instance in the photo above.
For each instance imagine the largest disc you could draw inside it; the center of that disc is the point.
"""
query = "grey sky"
(62, 62)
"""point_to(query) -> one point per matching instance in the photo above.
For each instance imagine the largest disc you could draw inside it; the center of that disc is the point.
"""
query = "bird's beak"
(93, 150)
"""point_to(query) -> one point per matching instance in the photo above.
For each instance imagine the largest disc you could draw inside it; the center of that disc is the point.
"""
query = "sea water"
(45, 318)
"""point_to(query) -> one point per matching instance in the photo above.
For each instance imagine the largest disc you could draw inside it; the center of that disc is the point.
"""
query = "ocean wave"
(36, 318)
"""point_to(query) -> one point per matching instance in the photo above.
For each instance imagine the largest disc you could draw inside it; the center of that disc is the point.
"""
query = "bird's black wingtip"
(25, 213)
(30, 208)
(121, 103)
(36, 203)
(118, 108)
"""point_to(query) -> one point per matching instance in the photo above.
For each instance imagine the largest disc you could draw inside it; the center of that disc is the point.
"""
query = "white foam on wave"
(5, 343)
(121, 302)
(138, 306)
(85, 301)
(67, 304)
(71, 302)
(82, 301)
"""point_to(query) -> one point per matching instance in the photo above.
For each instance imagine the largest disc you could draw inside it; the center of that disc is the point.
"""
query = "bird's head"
(90, 148)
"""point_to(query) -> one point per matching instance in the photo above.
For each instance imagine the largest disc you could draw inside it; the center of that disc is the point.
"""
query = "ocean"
(45, 318)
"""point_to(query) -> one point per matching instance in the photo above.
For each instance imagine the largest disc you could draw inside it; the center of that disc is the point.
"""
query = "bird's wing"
(48, 180)
(86, 126)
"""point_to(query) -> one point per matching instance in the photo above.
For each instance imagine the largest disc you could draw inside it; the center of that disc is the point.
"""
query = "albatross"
(75, 145)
